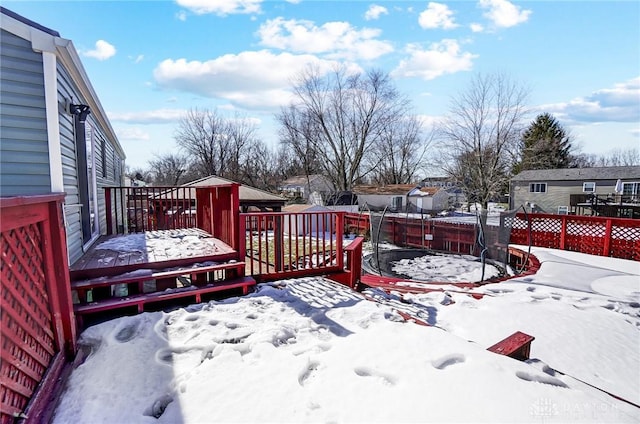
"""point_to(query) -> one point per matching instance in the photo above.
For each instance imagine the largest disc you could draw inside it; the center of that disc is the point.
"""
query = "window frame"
(584, 187)
(537, 187)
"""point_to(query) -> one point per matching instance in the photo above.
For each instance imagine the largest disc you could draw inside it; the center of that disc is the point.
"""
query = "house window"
(631, 189)
(588, 187)
(396, 203)
(538, 188)
(103, 157)
(563, 210)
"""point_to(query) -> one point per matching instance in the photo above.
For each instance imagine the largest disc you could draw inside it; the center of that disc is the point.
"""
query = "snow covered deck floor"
(112, 255)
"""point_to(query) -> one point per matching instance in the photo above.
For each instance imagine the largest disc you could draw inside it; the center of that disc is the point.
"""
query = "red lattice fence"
(614, 237)
(37, 333)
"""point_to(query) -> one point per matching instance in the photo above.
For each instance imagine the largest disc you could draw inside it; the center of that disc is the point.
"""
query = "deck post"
(57, 266)
(606, 247)
(108, 213)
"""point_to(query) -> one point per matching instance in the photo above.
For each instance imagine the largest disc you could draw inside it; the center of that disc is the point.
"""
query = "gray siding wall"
(108, 164)
(24, 150)
(557, 194)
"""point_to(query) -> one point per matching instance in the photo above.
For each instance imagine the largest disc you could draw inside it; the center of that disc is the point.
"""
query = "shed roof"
(245, 192)
(424, 191)
(580, 174)
(302, 179)
(304, 208)
(397, 189)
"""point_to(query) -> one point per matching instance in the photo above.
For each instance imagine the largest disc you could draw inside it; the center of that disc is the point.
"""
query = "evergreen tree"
(544, 145)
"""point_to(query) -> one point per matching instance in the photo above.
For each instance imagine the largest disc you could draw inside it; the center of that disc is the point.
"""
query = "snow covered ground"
(309, 350)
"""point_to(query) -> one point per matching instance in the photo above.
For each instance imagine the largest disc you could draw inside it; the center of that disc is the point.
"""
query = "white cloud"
(221, 7)
(102, 51)
(375, 11)
(431, 121)
(335, 40)
(132, 134)
(181, 16)
(618, 104)
(137, 59)
(253, 79)
(476, 27)
(437, 15)
(159, 116)
(504, 14)
(444, 57)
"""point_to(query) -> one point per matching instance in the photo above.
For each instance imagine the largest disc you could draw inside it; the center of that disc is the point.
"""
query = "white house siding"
(431, 204)
(24, 152)
(380, 201)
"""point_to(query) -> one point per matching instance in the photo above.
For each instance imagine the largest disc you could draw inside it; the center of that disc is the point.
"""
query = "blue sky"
(150, 61)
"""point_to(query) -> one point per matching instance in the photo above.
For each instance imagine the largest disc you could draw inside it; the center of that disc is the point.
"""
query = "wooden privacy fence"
(37, 335)
(613, 237)
(284, 245)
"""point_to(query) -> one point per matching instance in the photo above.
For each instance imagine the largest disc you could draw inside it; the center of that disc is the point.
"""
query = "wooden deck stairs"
(147, 289)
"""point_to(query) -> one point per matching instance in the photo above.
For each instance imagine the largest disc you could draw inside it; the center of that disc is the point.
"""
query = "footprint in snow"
(448, 360)
(307, 373)
(127, 333)
(158, 407)
(544, 379)
(386, 380)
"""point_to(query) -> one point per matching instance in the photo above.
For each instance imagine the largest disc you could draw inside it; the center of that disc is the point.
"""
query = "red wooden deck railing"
(38, 327)
(213, 209)
(285, 245)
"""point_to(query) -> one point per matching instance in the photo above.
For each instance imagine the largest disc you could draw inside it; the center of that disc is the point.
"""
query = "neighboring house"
(250, 197)
(301, 187)
(441, 182)
(301, 223)
(456, 195)
(610, 191)
(376, 198)
(54, 134)
(427, 200)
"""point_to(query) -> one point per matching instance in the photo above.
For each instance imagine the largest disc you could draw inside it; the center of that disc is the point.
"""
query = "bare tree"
(296, 137)
(170, 169)
(340, 117)
(139, 174)
(616, 157)
(481, 135)
(216, 144)
(623, 157)
(260, 168)
(400, 154)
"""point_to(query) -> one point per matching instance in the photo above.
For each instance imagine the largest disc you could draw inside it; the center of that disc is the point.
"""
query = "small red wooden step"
(516, 346)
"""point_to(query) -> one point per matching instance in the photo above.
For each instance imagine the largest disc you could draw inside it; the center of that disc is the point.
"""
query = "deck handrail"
(284, 245)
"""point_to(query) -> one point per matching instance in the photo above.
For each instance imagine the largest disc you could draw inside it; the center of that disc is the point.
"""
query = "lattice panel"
(585, 236)
(625, 242)
(546, 232)
(27, 343)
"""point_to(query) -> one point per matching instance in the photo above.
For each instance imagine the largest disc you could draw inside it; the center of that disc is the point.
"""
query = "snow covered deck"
(118, 254)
